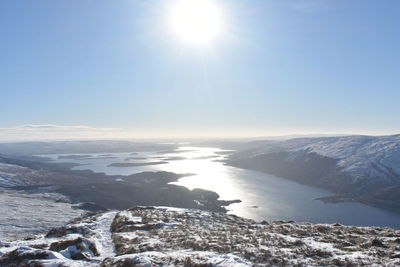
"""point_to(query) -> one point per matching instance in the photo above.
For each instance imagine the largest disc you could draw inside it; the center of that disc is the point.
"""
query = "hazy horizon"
(74, 133)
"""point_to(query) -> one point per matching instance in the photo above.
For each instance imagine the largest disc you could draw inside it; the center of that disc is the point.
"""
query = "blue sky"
(280, 67)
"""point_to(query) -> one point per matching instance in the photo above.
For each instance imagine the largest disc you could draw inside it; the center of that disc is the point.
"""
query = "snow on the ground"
(174, 258)
(129, 216)
(372, 156)
(23, 214)
(88, 236)
(168, 230)
(9, 172)
(101, 234)
(160, 236)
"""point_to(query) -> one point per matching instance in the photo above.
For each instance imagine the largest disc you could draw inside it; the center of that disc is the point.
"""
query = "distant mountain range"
(366, 166)
(94, 146)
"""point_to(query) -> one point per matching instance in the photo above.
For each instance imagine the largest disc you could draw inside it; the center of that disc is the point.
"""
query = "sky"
(85, 68)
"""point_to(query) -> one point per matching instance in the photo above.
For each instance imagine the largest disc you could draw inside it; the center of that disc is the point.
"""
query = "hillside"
(147, 236)
(355, 165)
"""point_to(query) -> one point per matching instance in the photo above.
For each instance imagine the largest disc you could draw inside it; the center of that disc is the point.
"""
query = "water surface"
(264, 196)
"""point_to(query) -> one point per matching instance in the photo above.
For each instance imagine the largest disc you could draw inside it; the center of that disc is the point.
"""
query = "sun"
(196, 21)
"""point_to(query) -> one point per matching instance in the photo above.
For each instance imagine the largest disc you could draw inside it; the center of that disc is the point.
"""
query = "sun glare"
(196, 21)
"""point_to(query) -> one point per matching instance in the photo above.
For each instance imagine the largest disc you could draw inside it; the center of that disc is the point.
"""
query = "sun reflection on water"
(264, 196)
(208, 174)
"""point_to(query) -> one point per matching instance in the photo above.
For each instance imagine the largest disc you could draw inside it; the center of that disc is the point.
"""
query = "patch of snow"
(129, 216)
(102, 234)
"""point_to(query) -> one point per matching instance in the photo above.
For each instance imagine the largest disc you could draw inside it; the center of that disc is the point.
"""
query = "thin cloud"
(65, 127)
(52, 131)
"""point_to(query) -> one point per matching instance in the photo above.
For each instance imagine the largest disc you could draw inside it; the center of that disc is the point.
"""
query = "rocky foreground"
(161, 236)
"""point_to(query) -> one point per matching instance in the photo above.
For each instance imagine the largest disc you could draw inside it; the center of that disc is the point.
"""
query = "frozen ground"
(29, 212)
(161, 236)
(23, 214)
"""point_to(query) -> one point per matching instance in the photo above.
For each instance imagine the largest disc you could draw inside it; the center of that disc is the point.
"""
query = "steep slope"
(345, 164)
(147, 236)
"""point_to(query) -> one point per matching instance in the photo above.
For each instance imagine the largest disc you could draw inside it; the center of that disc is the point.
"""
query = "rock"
(22, 257)
(377, 243)
(79, 244)
(163, 236)
(90, 206)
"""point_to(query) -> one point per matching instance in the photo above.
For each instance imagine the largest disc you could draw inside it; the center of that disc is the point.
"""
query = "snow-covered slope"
(162, 236)
(23, 214)
(14, 175)
(364, 159)
(34, 210)
(85, 242)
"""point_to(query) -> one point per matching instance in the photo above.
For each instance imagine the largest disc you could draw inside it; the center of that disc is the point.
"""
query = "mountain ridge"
(356, 166)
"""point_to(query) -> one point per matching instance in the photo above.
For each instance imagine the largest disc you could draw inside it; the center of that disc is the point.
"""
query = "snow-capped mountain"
(163, 236)
(367, 162)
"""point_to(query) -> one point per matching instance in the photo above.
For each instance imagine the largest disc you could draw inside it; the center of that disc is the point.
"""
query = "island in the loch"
(136, 164)
(109, 191)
